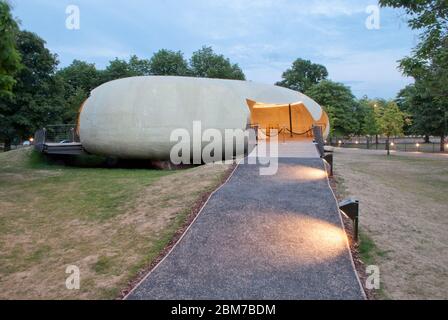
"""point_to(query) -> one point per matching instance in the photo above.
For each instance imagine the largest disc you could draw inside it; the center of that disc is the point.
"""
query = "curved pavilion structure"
(135, 117)
(140, 118)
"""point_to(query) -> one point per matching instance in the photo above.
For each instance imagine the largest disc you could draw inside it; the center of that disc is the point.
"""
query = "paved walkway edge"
(346, 238)
(186, 231)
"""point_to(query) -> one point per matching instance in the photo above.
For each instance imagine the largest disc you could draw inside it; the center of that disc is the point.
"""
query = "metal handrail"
(270, 135)
(301, 133)
(58, 133)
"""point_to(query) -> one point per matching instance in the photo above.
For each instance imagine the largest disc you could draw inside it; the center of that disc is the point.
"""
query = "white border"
(185, 232)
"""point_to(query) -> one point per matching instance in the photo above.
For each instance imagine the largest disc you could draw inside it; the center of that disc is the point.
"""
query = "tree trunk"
(376, 141)
(388, 146)
(368, 142)
(7, 145)
(427, 138)
(442, 143)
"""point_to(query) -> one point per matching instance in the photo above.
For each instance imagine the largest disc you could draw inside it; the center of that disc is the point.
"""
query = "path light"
(417, 145)
(339, 141)
(319, 239)
(31, 139)
(357, 142)
(329, 159)
(302, 173)
(392, 144)
(350, 208)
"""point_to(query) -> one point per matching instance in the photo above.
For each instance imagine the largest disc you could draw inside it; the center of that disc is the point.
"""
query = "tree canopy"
(368, 117)
(9, 55)
(340, 104)
(78, 80)
(431, 16)
(391, 122)
(421, 108)
(119, 68)
(37, 99)
(428, 64)
(303, 75)
(169, 63)
(80, 75)
(206, 63)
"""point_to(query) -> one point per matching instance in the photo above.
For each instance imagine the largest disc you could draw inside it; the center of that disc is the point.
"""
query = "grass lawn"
(403, 218)
(108, 222)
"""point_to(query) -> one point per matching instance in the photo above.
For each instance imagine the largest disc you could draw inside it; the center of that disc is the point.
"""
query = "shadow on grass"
(38, 160)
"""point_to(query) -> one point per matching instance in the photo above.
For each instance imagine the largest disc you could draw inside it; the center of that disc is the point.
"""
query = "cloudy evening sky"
(263, 36)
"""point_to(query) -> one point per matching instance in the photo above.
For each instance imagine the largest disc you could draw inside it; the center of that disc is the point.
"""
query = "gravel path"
(261, 237)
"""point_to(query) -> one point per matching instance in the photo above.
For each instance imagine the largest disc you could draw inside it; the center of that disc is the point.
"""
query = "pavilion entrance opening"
(289, 121)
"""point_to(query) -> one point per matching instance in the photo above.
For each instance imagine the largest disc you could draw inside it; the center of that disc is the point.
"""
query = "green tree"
(303, 75)
(118, 69)
(430, 16)
(405, 101)
(378, 106)
(139, 67)
(80, 75)
(169, 63)
(420, 109)
(431, 77)
(207, 64)
(368, 119)
(340, 104)
(391, 122)
(38, 95)
(428, 63)
(72, 104)
(9, 56)
(78, 79)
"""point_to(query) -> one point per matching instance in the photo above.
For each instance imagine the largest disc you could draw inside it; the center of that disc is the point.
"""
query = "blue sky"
(263, 36)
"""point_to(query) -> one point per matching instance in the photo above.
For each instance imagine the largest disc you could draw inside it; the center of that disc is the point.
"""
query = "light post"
(444, 131)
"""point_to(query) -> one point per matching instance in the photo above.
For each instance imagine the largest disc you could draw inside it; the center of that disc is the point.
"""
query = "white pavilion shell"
(134, 117)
